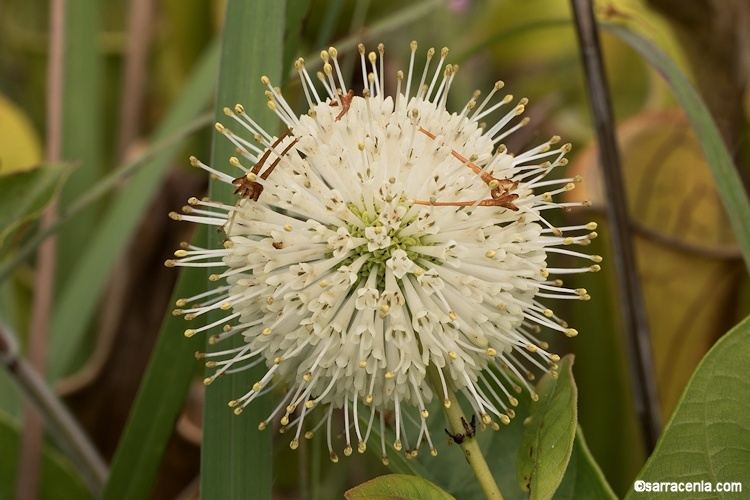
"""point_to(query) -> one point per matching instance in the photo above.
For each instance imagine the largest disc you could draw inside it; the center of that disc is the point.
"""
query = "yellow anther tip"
(571, 332)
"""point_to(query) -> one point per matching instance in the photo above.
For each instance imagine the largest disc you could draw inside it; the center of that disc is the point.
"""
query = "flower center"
(385, 240)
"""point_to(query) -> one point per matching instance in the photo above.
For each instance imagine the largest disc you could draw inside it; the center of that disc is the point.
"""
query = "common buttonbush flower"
(381, 237)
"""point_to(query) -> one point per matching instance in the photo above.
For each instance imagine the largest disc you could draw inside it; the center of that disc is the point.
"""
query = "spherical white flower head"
(380, 238)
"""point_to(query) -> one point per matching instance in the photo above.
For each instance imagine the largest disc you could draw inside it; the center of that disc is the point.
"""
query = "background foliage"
(139, 77)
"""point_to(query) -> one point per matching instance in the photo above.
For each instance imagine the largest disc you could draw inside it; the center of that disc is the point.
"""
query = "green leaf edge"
(728, 182)
(236, 457)
(742, 328)
(425, 488)
(38, 198)
(533, 433)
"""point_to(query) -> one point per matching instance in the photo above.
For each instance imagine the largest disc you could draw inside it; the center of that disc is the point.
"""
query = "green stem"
(469, 445)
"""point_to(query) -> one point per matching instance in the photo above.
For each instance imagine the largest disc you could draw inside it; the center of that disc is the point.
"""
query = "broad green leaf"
(547, 441)
(77, 303)
(396, 487)
(235, 455)
(25, 194)
(20, 146)
(583, 479)
(59, 480)
(726, 177)
(708, 436)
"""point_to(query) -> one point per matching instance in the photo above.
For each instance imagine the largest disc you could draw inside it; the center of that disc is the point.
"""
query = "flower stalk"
(469, 445)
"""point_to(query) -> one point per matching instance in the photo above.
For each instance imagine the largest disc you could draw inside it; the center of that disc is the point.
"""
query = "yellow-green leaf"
(397, 487)
(547, 441)
(20, 147)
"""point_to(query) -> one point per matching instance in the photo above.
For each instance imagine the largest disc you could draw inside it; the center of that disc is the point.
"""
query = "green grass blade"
(159, 402)
(235, 456)
(727, 179)
(75, 308)
(82, 133)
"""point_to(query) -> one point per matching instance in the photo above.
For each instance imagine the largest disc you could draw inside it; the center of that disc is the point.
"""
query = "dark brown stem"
(629, 289)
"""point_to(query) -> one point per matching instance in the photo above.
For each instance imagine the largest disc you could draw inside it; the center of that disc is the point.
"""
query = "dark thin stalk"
(631, 298)
(62, 425)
